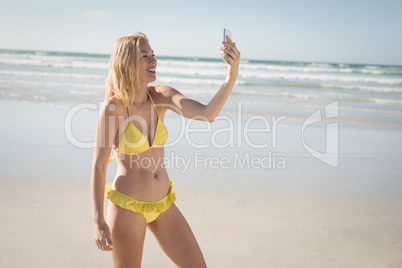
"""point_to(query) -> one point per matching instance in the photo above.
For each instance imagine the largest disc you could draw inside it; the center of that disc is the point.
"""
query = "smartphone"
(226, 32)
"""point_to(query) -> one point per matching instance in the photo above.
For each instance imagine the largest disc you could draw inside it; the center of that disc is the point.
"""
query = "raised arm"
(190, 108)
(106, 131)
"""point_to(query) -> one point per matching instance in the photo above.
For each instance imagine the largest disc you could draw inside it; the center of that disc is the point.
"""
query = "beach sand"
(305, 215)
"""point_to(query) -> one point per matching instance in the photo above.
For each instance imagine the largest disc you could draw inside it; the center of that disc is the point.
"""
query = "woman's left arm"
(192, 109)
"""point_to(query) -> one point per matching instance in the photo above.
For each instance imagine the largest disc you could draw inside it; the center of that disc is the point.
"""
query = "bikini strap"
(153, 104)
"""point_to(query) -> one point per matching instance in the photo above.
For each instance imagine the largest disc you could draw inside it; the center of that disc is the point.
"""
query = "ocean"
(365, 95)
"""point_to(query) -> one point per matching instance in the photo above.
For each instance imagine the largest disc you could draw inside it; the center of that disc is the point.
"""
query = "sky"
(341, 31)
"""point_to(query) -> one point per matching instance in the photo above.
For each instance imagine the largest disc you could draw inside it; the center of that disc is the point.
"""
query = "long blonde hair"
(123, 79)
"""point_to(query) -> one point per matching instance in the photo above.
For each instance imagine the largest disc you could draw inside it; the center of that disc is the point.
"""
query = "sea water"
(364, 94)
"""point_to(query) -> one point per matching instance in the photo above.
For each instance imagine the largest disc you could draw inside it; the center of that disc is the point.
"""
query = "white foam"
(192, 81)
(322, 77)
(50, 84)
(364, 88)
(53, 61)
(192, 64)
(75, 92)
(287, 68)
(318, 97)
(49, 74)
(265, 71)
(192, 71)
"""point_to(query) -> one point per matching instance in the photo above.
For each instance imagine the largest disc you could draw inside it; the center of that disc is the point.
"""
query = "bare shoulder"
(114, 106)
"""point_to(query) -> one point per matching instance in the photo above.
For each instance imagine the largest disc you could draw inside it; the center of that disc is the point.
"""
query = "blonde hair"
(123, 80)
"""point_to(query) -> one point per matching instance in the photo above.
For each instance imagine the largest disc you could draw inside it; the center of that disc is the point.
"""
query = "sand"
(306, 215)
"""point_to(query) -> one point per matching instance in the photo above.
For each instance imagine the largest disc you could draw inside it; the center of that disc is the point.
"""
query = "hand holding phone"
(232, 57)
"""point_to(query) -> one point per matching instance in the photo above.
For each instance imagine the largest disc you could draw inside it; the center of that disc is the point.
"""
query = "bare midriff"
(142, 176)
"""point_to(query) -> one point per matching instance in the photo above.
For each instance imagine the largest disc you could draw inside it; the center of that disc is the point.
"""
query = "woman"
(141, 194)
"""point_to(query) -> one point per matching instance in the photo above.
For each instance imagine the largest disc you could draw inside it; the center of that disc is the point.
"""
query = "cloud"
(95, 14)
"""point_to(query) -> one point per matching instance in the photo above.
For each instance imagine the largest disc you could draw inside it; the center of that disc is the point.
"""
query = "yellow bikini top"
(134, 142)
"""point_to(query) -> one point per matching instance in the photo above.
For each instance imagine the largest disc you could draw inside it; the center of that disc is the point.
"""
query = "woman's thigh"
(128, 233)
(175, 237)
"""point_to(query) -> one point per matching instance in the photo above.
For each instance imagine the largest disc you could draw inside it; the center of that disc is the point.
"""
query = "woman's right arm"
(106, 131)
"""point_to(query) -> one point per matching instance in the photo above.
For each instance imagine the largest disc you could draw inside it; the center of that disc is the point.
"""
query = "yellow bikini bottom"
(149, 210)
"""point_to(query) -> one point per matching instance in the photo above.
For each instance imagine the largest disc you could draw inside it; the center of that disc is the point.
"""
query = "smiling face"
(147, 63)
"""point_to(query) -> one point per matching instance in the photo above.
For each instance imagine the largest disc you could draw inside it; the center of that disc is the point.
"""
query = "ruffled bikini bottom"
(149, 210)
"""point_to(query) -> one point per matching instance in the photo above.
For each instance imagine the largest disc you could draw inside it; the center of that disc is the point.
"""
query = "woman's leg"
(175, 237)
(128, 233)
